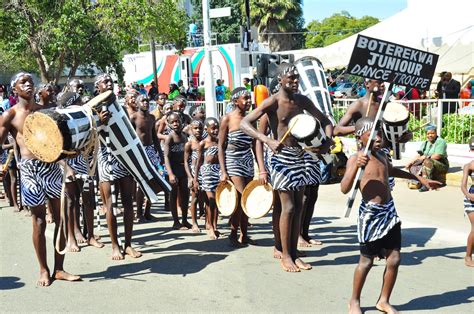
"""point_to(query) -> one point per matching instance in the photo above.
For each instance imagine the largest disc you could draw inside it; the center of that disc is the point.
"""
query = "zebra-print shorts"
(211, 174)
(288, 169)
(39, 180)
(109, 170)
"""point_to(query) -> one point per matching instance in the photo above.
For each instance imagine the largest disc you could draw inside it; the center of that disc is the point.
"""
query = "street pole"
(248, 35)
(210, 94)
(153, 60)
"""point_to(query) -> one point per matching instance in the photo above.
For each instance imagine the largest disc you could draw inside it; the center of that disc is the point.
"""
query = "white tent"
(444, 27)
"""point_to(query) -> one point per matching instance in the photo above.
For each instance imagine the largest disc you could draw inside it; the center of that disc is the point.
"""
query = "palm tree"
(274, 17)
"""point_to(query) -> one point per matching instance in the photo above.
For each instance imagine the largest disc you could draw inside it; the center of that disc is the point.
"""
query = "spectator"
(12, 99)
(466, 93)
(449, 89)
(192, 91)
(153, 91)
(141, 89)
(247, 84)
(182, 89)
(2, 91)
(193, 28)
(201, 91)
(174, 91)
(220, 91)
(161, 100)
(432, 159)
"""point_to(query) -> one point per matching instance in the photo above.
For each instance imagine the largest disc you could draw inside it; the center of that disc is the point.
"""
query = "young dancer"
(39, 180)
(208, 165)
(144, 124)
(378, 226)
(288, 169)
(111, 172)
(174, 162)
(468, 171)
(191, 156)
(236, 160)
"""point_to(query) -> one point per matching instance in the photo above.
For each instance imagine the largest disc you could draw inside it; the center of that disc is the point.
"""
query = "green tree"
(335, 28)
(227, 29)
(278, 22)
(73, 33)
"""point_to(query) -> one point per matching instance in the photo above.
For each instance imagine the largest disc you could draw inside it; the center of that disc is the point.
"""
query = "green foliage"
(278, 18)
(73, 33)
(457, 128)
(335, 28)
(226, 28)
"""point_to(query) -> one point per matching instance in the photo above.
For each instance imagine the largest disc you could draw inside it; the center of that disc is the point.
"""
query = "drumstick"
(288, 131)
(360, 171)
(420, 127)
(370, 101)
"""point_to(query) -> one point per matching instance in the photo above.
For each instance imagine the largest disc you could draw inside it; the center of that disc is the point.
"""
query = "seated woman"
(432, 159)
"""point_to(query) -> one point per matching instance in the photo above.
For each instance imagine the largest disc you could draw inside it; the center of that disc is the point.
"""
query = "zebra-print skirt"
(376, 220)
(239, 163)
(109, 170)
(39, 180)
(288, 169)
(210, 177)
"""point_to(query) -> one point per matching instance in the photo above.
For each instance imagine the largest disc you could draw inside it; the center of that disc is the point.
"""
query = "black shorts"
(391, 241)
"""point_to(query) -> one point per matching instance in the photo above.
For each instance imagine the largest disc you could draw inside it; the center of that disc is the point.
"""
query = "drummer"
(119, 176)
(144, 124)
(236, 160)
(40, 181)
(288, 171)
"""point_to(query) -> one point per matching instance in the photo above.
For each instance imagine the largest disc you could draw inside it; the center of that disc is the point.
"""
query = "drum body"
(313, 84)
(257, 199)
(307, 130)
(50, 133)
(129, 151)
(226, 198)
(395, 124)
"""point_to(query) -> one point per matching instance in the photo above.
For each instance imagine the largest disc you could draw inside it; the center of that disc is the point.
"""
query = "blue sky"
(381, 9)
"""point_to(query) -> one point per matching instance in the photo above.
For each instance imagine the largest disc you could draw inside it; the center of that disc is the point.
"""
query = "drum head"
(226, 198)
(257, 199)
(395, 113)
(304, 126)
(43, 137)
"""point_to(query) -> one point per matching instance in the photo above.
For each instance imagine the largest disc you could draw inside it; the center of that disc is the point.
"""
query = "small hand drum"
(257, 199)
(307, 130)
(226, 198)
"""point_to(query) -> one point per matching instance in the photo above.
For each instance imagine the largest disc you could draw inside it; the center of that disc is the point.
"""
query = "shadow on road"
(9, 283)
(178, 264)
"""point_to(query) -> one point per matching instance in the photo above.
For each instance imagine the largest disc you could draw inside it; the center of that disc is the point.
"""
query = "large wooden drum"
(53, 134)
(395, 124)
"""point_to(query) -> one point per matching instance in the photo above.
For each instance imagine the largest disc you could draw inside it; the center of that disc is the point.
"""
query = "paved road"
(186, 272)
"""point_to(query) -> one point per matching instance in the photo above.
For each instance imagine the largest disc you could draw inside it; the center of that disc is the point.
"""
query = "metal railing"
(455, 127)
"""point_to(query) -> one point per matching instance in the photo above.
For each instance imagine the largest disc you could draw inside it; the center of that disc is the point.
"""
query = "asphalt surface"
(185, 272)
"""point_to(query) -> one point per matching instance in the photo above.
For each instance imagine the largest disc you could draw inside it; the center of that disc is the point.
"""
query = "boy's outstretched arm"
(431, 184)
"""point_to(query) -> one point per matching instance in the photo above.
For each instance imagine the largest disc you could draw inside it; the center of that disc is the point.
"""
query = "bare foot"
(103, 210)
(302, 242)
(27, 213)
(288, 265)
(44, 279)
(186, 225)
(62, 275)
(177, 226)
(16, 209)
(212, 234)
(468, 261)
(385, 307)
(354, 307)
(95, 243)
(315, 242)
(234, 242)
(132, 252)
(116, 254)
(97, 237)
(72, 246)
(196, 229)
(302, 265)
(276, 253)
(80, 238)
(247, 240)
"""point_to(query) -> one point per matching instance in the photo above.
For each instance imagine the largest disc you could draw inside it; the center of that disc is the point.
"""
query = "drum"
(128, 149)
(53, 134)
(307, 130)
(257, 199)
(395, 124)
(226, 198)
(313, 84)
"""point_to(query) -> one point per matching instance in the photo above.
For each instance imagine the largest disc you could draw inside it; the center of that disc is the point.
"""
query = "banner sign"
(389, 62)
